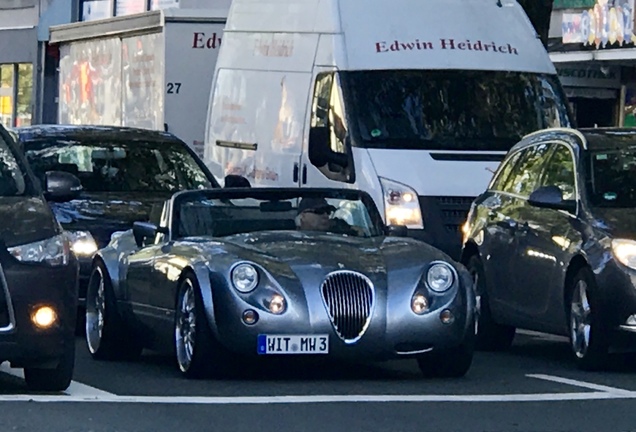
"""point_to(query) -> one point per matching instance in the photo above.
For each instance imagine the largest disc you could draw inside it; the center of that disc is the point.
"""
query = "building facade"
(592, 43)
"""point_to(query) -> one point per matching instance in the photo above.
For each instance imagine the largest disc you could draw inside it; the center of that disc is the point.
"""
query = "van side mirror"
(551, 197)
(61, 186)
(144, 230)
(320, 152)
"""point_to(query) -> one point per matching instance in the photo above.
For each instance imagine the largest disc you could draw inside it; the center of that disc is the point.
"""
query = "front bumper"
(29, 286)
(393, 331)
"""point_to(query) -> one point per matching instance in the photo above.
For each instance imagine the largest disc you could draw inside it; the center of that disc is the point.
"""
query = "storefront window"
(6, 94)
(25, 92)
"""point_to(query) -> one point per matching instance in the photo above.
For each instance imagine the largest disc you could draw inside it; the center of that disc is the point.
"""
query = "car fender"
(204, 278)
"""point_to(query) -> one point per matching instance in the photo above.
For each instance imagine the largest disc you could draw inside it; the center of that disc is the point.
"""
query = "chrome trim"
(359, 311)
(628, 328)
(559, 129)
(5, 289)
(425, 350)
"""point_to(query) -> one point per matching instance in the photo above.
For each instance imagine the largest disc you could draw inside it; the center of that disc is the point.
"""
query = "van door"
(327, 158)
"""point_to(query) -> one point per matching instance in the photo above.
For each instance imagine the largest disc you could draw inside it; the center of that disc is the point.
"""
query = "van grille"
(454, 211)
(6, 321)
(349, 298)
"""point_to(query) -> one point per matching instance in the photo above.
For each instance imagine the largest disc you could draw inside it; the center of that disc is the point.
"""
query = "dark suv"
(126, 175)
(38, 273)
(552, 242)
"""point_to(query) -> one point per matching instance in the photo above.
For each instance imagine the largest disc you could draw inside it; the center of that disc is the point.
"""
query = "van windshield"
(452, 109)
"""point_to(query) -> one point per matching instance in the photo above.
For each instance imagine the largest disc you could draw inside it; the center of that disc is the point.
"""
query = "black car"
(126, 174)
(38, 274)
(552, 242)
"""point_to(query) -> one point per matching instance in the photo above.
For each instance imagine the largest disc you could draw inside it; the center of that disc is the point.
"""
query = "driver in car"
(314, 214)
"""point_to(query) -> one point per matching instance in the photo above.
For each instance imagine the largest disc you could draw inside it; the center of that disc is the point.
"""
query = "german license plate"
(292, 344)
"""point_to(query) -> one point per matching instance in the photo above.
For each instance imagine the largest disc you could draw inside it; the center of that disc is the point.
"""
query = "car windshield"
(452, 109)
(235, 212)
(119, 166)
(612, 178)
(14, 180)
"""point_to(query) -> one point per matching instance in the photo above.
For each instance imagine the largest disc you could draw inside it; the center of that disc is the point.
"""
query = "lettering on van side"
(200, 41)
(446, 44)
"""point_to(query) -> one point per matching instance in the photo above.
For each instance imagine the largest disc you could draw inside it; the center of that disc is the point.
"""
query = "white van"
(413, 101)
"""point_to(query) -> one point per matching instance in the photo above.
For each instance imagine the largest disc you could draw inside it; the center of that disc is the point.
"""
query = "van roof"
(401, 34)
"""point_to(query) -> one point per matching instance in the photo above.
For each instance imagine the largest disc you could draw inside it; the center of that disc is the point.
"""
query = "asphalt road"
(533, 387)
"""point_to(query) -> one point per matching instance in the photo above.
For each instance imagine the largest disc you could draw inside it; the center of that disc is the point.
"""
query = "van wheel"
(106, 335)
(491, 336)
(588, 332)
(55, 379)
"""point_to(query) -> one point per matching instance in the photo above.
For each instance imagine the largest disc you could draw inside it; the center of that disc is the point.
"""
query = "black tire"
(203, 354)
(594, 355)
(491, 336)
(55, 379)
(449, 363)
(114, 342)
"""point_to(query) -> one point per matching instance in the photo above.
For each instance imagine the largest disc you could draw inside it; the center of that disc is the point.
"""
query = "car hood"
(619, 222)
(104, 213)
(319, 254)
(25, 220)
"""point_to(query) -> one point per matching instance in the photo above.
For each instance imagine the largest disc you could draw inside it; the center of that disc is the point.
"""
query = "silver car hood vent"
(349, 298)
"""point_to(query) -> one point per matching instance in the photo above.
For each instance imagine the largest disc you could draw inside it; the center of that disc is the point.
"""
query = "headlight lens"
(401, 205)
(244, 277)
(625, 252)
(82, 243)
(440, 277)
(54, 251)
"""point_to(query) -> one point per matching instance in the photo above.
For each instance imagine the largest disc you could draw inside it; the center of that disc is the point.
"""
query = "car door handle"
(304, 173)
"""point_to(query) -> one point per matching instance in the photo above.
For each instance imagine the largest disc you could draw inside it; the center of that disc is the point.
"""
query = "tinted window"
(14, 180)
(612, 178)
(560, 172)
(504, 172)
(525, 177)
(451, 109)
(119, 166)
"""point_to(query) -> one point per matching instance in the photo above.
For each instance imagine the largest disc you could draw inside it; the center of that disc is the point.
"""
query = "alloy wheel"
(95, 317)
(580, 320)
(185, 329)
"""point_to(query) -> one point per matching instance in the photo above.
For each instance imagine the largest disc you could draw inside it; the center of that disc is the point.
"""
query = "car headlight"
(401, 206)
(54, 251)
(82, 243)
(244, 277)
(625, 252)
(440, 277)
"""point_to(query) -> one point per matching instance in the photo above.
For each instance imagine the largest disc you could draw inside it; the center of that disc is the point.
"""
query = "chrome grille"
(349, 298)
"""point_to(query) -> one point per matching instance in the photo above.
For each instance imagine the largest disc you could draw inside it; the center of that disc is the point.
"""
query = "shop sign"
(589, 75)
(572, 4)
(609, 21)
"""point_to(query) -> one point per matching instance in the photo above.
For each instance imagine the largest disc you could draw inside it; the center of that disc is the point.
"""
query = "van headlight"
(440, 277)
(82, 243)
(625, 252)
(401, 205)
(54, 251)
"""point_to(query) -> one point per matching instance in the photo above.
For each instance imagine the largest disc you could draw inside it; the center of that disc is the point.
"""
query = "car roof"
(590, 139)
(90, 132)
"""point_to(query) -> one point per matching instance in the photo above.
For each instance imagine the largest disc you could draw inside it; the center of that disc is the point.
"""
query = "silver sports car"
(270, 272)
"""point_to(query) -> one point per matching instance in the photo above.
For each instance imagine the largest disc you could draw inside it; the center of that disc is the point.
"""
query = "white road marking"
(576, 383)
(259, 400)
(76, 389)
(79, 393)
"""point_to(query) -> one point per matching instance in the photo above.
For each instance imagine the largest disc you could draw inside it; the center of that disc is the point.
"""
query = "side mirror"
(144, 230)
(396, 231)
(236, 181)
(61, 186)
(320, 152)
(551, 197)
